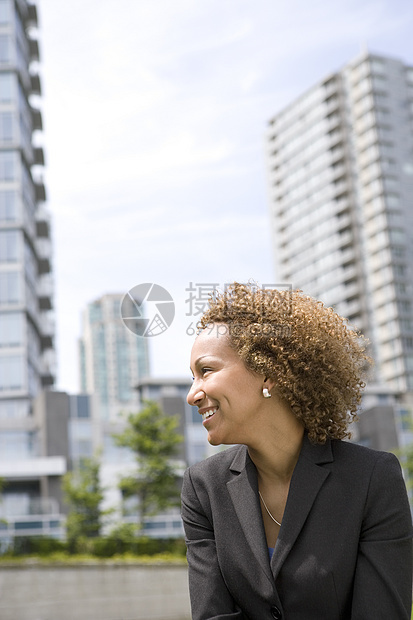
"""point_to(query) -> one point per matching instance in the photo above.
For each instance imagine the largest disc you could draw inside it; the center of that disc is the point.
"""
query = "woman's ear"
(268, 383)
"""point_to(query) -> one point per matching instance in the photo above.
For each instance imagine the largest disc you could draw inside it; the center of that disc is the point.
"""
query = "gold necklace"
(266, 508)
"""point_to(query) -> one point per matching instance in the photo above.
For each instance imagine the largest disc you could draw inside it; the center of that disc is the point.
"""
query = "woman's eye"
(204, 370)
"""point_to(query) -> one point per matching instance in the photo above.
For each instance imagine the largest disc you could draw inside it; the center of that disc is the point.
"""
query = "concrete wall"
(377, 428)
(110, 591)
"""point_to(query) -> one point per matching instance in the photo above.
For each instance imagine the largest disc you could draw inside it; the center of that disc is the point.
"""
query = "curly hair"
(316, 359)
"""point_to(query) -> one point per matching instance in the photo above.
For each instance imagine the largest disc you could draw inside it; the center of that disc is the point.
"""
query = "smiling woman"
(226, 392)
(293, 522)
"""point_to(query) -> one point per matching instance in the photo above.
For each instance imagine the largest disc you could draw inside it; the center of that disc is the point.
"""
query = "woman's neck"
(276, 455)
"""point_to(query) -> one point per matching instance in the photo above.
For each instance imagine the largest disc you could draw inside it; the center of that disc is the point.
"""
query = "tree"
(84, 494)
(154, 440)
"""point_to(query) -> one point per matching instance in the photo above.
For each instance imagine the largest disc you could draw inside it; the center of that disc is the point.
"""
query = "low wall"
(109, 591)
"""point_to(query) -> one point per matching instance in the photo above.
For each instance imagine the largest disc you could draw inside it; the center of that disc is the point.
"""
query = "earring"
(266, 393)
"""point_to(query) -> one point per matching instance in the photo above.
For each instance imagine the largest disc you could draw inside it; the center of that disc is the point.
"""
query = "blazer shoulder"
(347, 452)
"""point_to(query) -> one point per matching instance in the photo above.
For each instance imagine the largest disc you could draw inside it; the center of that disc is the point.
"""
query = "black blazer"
(344, 550)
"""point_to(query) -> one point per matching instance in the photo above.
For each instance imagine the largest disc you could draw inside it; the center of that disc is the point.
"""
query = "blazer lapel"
(243, 489)
(307, 480)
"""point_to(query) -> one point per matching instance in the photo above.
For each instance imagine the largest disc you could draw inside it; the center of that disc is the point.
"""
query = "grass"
(60, 557)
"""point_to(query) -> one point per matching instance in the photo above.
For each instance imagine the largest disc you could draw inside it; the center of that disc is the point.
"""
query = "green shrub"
(34, 545)
(115, 544)
(120, 542)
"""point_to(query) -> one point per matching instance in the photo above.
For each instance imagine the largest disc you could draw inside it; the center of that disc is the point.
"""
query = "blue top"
(270, 551)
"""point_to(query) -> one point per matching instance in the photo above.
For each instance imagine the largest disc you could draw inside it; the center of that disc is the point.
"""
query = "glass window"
(6, 127)
(83, 406)
(9, 246)
(95, 312)
(8, 206)
(11, 374)
(80, 438)
(15, 503)
(154, 525)
(30, 264)
(5, 49)
(5, 12)
(15, 445)
(33, 380)
(14, 409)
(28, 525)
(8, 166)
(124, 389)
(11, 330)
(10, 287)
(6, 87)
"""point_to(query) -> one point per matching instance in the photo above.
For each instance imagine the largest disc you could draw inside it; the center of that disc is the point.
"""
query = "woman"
(294, 523)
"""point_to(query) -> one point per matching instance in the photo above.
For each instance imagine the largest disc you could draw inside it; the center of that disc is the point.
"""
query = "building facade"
(31, 501)
(27, 362)
(340, 162)
(112, 359)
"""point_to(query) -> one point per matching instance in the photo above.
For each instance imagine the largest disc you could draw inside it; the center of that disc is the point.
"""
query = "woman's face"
(227, 394)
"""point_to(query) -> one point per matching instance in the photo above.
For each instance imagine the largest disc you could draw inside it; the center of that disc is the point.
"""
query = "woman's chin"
(213, 441)
(216, 440)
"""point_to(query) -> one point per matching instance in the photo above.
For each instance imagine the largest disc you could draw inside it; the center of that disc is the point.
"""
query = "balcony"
(34, 49)
(44, 266)
(43, 247)
(29, 469)
(41, 517)
(38, 156)
(30, 16)
(42, 222)
(44, 251)
(47, 380)
(45, 292)
(40, 191)
(47, 329)
(161, 526)
(37, 122)
(35, 85)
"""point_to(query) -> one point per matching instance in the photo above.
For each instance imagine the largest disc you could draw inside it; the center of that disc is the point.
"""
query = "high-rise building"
(341, 190)
(26, 286)
(112, 359)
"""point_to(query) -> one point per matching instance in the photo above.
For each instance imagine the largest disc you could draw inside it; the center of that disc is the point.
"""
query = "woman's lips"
(208, 413)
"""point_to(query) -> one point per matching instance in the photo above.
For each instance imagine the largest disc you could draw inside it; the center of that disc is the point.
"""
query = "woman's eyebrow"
(201, 357)
(199, 360)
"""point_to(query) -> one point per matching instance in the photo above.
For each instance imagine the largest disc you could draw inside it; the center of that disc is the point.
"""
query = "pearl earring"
(266, 393)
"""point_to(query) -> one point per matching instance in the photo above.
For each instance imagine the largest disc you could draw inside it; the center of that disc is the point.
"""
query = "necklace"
(266, 508)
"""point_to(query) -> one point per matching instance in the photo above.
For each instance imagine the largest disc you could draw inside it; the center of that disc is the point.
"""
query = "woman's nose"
(195, 394)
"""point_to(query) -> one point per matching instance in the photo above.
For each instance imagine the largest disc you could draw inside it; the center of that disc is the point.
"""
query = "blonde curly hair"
(317, 361)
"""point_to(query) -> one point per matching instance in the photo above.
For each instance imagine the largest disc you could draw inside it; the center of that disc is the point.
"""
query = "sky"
(155, 114)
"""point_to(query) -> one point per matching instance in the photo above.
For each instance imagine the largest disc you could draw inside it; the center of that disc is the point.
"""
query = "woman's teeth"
(209, 413)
